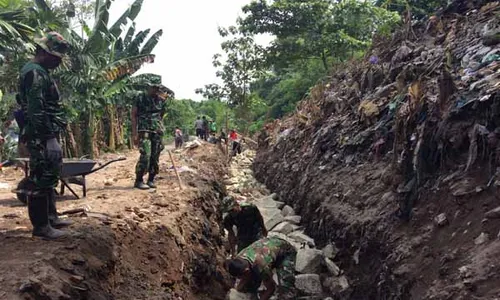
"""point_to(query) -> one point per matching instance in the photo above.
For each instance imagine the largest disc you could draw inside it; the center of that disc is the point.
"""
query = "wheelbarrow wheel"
(23, 185)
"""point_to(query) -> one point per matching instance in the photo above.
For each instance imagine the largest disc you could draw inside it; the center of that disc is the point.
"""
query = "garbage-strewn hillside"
(395, 160)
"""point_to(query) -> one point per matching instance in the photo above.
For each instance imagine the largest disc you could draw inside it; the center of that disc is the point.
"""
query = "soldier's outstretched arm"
(37, 114)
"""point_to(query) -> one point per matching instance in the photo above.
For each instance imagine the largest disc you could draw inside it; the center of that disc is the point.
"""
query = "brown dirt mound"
(418, 129)
(131, 245)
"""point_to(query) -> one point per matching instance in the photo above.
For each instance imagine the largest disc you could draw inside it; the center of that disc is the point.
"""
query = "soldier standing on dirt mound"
(248, 221)
(254, 265)
(147, 124)
(44, 120)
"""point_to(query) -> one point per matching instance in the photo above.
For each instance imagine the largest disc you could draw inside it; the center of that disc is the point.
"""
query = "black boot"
(38, 210)
(53, 217)
(151, 181)
(139, 184)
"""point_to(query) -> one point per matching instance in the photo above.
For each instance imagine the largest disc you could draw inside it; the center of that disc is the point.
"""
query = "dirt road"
(161, 244)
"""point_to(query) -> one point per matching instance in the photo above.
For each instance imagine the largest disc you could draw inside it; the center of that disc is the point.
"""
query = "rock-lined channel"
(317, 274)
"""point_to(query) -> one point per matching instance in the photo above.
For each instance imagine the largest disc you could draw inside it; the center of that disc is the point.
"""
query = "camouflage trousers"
(285, 271)
(44, 173)
(150, 147)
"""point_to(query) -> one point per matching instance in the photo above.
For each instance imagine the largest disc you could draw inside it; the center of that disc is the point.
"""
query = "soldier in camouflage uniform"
(254, 265)
(248, 221)
(147, 123)
(43, 121)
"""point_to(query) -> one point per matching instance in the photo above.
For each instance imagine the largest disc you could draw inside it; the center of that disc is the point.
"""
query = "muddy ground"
(132, 244)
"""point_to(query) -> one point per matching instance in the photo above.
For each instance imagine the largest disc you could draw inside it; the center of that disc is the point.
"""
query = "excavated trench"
(131, 262)
(163, 244)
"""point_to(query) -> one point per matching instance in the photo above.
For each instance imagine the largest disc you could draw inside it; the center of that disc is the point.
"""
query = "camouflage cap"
(154, 81)
(53, 43)
(228, 203)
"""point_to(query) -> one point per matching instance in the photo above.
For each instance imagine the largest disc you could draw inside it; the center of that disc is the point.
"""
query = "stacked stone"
(317, 273)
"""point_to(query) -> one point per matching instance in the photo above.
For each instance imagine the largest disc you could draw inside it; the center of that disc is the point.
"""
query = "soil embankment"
(162, 244)
(415, 130)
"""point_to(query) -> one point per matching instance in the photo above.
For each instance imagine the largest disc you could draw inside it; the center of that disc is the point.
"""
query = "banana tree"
(100, 65)
(13, 25)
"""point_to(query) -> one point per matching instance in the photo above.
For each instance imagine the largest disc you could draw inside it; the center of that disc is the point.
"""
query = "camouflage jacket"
(150, 111)
(40, 103)
(265, 253)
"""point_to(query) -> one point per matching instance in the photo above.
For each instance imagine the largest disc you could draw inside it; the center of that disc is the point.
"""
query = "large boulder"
(293, 219)
(300, 237)
(333, 269)
(308, 261)
(266, 202)
(296, 245)
(336, 285)
(308, 284)
(287, 211)
(274, 220)
(330, 251)
(285, 228)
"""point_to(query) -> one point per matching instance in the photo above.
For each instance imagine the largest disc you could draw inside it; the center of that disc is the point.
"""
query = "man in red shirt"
(233, 137)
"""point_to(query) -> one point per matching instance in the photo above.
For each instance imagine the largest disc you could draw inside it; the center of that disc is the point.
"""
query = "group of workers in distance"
(255, 255)
(205, 128)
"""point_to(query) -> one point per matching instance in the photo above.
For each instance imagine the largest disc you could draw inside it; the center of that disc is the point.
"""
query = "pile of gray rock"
(317, 273)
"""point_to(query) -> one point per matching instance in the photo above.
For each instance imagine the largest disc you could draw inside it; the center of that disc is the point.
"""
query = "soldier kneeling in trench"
(254, 266)
(248, 221)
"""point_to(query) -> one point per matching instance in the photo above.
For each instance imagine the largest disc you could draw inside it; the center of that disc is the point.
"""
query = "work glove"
(53, 151)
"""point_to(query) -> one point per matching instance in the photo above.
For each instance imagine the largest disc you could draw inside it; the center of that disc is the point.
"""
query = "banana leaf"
(152, 42)
(130, 14)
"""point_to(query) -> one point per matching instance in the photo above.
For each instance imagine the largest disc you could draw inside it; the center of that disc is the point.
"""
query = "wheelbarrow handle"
(6, 163)
(104, 165)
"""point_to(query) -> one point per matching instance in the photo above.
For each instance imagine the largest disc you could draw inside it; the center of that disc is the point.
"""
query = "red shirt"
(233, 136)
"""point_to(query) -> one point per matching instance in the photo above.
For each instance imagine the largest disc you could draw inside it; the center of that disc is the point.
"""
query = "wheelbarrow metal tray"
(73, 167)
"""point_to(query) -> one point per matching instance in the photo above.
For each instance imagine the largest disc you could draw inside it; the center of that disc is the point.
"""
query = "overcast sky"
(190, 38)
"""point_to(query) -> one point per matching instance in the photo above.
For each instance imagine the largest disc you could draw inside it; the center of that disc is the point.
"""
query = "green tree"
(417, 8)
(13, 25)
(282, 90)
(100, 70)
(323, 29)
(240, 65)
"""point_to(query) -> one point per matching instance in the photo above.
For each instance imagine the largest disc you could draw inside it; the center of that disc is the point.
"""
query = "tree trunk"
(96, 141)
(76, 131)
(71, 143)
(88, 140)
(120, 128)
(110, 111)
(323, 59)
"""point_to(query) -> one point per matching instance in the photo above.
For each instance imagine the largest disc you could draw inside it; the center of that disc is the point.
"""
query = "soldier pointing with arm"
(44, 120)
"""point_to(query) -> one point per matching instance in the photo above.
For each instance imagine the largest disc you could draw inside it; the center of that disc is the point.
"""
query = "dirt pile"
(158, 244)
(395, 160)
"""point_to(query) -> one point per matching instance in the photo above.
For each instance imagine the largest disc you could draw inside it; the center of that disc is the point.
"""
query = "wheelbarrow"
(71, 170)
